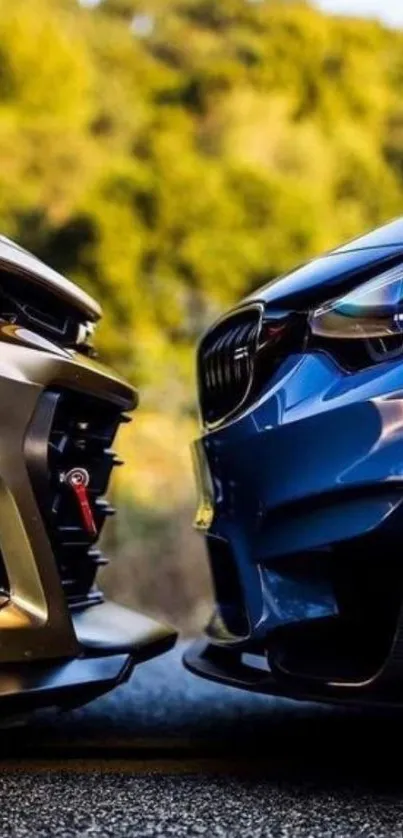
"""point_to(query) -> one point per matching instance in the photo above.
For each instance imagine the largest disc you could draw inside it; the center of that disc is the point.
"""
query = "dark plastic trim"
(225, 666)
(69, 683)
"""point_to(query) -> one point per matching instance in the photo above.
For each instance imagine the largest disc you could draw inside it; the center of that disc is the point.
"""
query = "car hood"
(336, 272)
(14, 259)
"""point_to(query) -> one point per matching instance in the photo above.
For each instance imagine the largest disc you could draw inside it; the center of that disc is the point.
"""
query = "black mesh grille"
(76, 431)
(226, 365)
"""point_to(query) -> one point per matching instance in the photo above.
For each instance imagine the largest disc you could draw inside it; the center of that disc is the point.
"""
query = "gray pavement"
(171, 755)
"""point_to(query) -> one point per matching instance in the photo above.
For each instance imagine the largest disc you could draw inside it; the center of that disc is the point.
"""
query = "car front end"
(300, 478)
(60, 642)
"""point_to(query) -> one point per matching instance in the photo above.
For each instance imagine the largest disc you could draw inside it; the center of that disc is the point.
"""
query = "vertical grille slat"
(220, 363)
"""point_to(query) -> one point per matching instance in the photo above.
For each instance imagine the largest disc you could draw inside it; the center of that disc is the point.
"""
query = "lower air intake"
(71, 436)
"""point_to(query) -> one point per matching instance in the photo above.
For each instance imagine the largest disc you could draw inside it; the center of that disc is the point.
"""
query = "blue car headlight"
(366, 323)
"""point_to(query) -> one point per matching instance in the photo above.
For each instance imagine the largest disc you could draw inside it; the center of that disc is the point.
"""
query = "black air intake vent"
(4, 583)
(75, 433)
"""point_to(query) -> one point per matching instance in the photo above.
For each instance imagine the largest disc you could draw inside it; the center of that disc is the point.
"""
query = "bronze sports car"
(60, 642)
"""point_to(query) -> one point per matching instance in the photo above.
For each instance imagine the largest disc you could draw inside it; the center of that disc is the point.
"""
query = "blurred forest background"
(170, 156)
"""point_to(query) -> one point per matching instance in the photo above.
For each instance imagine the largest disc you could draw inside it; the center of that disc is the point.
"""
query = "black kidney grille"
(226, 363)
(69, 431)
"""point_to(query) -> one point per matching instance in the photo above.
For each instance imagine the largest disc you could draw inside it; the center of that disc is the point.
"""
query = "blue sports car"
(300, 477)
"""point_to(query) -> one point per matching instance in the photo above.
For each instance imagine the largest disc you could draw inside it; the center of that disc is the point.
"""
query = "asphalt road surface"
(171, 755)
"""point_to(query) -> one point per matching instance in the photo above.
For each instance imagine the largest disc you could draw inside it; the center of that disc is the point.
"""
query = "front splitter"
(225, 666)
(112, 641)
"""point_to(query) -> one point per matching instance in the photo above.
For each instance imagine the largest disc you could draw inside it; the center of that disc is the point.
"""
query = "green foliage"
(172, 155)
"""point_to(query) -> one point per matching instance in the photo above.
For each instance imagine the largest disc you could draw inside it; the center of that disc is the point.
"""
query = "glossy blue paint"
(388, 235)
(316, 460)
(324, 277)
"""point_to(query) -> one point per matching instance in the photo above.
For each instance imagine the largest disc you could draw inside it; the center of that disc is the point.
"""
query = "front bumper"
(111, 641)
(60, 643)
(234, 669)
(306, 484)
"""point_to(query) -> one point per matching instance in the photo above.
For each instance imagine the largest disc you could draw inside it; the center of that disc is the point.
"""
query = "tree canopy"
(172, 155)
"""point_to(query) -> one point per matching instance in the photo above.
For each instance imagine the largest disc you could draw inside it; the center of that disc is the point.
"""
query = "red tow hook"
(78, 480)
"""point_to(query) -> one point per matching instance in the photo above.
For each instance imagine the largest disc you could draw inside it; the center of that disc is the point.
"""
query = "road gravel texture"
(171, 755)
